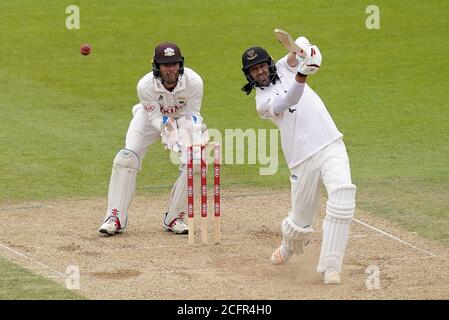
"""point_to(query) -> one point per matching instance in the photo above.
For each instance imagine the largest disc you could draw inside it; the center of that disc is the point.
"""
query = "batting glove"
(312, 62)
(302, 41)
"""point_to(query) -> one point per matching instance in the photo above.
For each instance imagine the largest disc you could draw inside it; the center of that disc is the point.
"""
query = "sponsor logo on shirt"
(170, 109)
(149, 107)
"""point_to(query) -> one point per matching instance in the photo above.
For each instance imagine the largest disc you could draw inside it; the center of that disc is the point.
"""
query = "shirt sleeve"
(282, 63)
(145, 97)
(282, 102)
(193, 104)
(151, 107)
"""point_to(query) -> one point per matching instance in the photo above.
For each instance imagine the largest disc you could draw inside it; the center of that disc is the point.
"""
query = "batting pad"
(294, 237)
(122, 185)
(178, 197)
(336, 225)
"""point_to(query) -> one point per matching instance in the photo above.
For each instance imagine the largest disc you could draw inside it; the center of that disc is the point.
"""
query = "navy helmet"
(252, 57)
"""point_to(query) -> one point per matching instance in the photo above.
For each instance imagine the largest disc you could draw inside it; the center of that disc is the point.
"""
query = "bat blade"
(287, 41)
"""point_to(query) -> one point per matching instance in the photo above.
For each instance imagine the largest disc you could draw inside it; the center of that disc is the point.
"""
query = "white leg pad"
(177, 206)
(336, 225)
(122, 185)
(178, 198)
(295, 238)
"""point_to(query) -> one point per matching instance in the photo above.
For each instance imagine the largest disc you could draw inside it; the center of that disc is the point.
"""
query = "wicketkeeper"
(170, 103)
(313, 148)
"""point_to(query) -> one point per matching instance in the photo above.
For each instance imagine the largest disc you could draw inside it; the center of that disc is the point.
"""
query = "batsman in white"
(170, 102)
(314, 150)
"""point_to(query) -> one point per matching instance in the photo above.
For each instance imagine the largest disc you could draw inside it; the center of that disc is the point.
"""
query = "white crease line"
(248, 195)
(395, 238)
(35, 261)
(417, 258)
(365, 236)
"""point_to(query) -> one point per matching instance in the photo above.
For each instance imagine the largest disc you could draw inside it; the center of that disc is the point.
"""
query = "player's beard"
(263, 79)
(170, 78)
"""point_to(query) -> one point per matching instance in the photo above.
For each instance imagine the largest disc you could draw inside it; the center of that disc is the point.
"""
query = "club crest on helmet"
(168, 52)
(165, 53)
(251, 54)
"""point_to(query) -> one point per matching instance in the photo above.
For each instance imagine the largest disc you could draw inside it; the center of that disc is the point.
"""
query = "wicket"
(190, 195)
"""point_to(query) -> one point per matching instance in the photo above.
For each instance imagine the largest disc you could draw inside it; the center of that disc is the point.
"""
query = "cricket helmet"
(252, 57)
(167, 52)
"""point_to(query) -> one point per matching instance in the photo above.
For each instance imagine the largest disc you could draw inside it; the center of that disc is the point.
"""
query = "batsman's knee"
(126, 158)
(341, 201)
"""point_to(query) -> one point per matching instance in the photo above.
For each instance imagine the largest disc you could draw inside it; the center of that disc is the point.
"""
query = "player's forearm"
(291, 59)
(282, 103)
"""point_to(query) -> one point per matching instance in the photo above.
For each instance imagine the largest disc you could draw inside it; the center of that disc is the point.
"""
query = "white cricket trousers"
(141, 134)
(330, 166)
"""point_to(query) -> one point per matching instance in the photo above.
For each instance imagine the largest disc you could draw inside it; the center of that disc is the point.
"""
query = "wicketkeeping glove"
(169, 134)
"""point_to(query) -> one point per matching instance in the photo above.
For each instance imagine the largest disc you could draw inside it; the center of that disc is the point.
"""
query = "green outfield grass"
(19, 284)
(64, 115)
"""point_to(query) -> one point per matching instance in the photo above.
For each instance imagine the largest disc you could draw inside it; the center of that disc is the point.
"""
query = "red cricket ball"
(85, 49)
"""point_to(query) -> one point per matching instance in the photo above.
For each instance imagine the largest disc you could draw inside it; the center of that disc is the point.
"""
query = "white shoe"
(331, 276)
(111, 226)
(281, 255)
(177, 226)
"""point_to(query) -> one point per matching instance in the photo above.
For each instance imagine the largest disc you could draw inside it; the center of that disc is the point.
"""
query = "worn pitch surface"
(147, 263)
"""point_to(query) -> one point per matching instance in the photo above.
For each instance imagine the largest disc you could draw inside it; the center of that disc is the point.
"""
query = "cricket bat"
(286, 40)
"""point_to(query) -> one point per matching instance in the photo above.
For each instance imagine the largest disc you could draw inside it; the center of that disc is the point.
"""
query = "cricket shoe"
(177, 225)
(281, 255)
(331, 276)
(111, 226)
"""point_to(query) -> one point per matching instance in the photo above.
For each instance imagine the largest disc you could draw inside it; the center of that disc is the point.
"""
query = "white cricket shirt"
(306, 127)
(185, 99)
